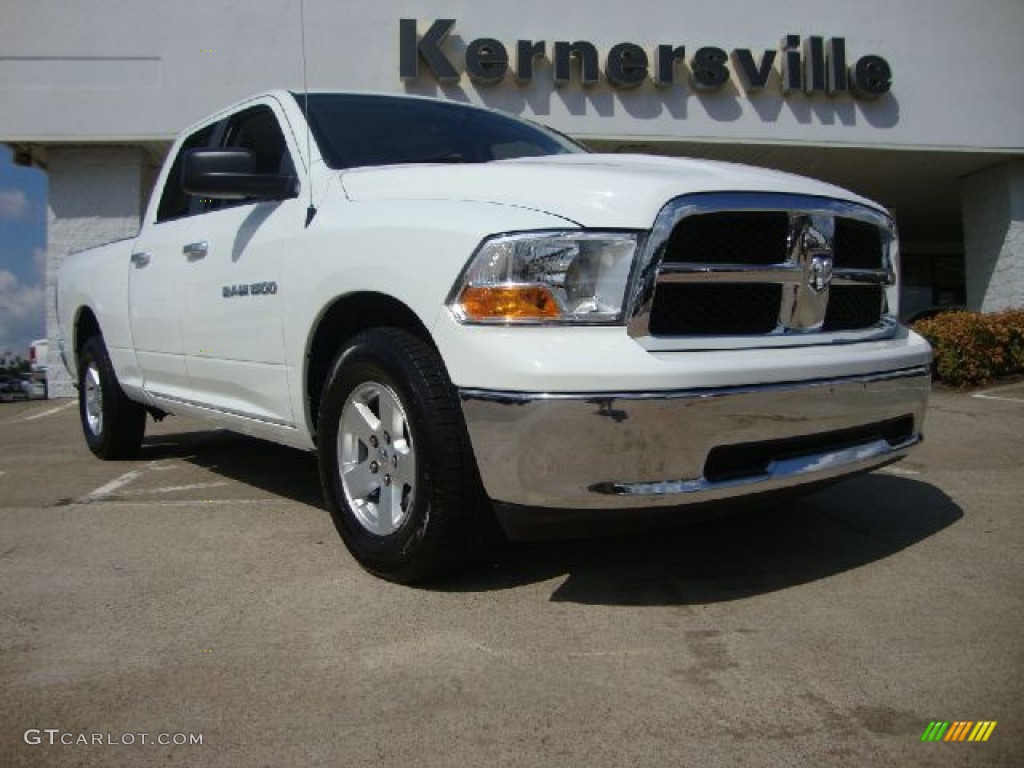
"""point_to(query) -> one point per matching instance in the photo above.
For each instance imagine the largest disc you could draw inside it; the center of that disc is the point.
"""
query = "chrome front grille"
(742, 267)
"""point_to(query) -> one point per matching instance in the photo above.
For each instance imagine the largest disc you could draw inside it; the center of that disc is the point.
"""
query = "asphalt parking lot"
(202, 590)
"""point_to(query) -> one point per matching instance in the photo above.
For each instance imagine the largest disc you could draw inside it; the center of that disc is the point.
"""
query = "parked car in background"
(34, 386)
(8, 386)
(22, 386)
(38, 354)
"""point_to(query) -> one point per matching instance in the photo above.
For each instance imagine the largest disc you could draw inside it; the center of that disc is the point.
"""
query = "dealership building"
(918, 104)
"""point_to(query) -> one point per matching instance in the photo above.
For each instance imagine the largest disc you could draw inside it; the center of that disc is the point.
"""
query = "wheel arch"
(340, 320)
(86, 326)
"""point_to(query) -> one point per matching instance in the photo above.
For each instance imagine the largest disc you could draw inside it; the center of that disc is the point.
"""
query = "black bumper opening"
(734, 462)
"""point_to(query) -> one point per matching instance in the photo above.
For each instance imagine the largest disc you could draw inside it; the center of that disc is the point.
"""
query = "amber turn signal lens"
(515, 302)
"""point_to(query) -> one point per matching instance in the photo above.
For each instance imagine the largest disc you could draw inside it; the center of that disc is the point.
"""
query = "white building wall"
(96, 195)
(993, 209)
(101, 70)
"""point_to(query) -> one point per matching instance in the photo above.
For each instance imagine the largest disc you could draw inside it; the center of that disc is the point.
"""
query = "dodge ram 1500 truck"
(466, 313)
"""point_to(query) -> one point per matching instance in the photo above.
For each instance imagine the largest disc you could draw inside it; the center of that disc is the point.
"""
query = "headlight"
(561, 277)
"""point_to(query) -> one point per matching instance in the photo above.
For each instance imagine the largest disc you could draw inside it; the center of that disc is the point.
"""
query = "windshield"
(354, 130)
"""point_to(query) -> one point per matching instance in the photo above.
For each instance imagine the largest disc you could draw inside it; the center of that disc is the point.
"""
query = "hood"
(591, 190)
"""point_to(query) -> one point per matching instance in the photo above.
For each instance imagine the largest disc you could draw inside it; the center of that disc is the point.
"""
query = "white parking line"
(50, 412)
(173, 488)
(901, 471)
(162, 466)
(1010, 393)
(151, 503)
(1004, 399)
(113, 485)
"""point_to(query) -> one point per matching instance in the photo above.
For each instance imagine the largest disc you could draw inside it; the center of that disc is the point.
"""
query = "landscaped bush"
(972, 348)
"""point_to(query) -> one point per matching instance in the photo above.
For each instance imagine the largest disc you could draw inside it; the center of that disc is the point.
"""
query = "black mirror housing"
(228, 174)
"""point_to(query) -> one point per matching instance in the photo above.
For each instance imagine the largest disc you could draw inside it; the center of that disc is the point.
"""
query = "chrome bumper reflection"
(820, 465)
(622, 450)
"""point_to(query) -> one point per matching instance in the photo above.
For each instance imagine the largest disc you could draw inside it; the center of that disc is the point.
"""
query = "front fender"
(412, 252)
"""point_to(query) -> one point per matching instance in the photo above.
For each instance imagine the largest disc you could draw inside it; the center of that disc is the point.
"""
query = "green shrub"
(972, 348)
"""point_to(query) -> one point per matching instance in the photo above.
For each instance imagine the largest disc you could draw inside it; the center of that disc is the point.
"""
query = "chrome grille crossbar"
(775, 273)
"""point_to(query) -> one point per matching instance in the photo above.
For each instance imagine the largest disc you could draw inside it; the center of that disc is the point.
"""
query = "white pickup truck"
(464, 314)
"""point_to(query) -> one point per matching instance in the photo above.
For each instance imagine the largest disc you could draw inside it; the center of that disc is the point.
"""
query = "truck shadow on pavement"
(276, 469)
(730, 557)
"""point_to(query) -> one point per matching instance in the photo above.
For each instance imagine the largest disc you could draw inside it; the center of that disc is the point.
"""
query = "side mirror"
(229, 174)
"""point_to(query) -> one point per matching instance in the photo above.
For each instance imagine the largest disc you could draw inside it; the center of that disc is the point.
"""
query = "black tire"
(441, 520)
(121, 423)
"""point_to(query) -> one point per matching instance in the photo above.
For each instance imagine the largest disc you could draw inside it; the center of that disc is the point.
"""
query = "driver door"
(232, 323)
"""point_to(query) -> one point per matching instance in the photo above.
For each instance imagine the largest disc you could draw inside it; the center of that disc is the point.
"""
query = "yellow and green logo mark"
(958, 730)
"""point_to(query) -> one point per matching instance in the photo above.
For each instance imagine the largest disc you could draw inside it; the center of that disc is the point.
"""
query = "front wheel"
(396, 466)
(112, 424)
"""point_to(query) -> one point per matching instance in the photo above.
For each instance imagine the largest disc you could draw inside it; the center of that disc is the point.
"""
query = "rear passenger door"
(232, 324)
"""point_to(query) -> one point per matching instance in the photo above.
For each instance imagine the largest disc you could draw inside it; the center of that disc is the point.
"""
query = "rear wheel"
(112, 424)
(396, 466)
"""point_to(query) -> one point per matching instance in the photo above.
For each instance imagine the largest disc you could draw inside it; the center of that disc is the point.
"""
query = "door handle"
(196, 250)
(140, 259)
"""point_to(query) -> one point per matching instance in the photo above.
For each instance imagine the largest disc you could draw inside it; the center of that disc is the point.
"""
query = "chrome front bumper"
(638, 450)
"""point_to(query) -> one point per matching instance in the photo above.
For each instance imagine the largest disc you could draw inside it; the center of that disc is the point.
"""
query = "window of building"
(929, 281)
